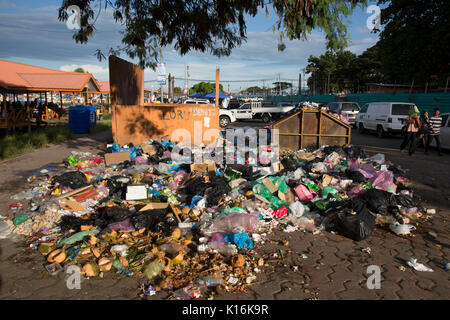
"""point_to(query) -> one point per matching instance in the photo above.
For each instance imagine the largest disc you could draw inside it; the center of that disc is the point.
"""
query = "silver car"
(346, 109)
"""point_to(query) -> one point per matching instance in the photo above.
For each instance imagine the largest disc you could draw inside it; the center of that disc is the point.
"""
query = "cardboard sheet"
(116, 157)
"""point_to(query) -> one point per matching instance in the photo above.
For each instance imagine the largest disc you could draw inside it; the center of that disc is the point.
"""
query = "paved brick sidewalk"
(335, 267)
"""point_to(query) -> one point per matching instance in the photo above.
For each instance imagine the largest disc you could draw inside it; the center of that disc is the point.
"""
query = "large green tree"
(415, 39)
(204, 88)
(216, 26)
(344, 71)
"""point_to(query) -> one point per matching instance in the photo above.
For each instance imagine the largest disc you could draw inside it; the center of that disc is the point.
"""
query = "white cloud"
(96, 70)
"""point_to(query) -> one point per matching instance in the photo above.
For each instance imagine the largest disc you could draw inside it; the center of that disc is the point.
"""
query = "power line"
(253, 80)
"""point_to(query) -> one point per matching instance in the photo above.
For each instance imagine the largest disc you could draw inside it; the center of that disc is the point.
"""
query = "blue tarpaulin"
(213, 95)
(196, 95)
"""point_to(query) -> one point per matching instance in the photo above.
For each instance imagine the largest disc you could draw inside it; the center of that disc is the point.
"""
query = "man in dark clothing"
(436, 123)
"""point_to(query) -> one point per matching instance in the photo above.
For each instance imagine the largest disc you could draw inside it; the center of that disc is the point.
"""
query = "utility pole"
(279, 83)
(299, 84)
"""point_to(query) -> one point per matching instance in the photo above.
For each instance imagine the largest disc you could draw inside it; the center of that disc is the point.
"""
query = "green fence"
(425, 101)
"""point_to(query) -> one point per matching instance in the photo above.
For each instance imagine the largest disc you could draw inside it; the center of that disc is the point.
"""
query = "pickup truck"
(265, 110)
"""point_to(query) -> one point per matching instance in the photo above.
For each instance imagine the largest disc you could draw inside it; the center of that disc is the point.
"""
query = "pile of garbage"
(194, 229)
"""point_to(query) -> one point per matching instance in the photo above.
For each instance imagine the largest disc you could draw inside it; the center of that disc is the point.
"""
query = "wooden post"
(61, 99)
(217, 86)
(46, 108)
(6, 111)
(73, 98)
(28, 112)
(87, 95)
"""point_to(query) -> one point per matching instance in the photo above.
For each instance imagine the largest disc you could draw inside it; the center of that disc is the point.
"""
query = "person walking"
(413, 122)
(425, 130)
(436, 123)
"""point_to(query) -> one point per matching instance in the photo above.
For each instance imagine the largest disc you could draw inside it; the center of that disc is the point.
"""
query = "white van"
(383, 117)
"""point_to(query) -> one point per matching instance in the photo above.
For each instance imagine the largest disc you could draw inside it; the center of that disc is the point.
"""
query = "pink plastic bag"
(140, 160)
(382, 180)
(303, 193)
(356, 191)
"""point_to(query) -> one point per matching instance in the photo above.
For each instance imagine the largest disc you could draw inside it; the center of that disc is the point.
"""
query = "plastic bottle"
(447, 266)
(121, 268)
(210, 281)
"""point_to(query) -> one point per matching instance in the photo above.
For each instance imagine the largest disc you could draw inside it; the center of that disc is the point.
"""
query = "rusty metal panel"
(187, 123)
(319, 128)
(126, 81)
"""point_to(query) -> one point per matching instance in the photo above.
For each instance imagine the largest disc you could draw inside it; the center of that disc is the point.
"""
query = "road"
(332, 267)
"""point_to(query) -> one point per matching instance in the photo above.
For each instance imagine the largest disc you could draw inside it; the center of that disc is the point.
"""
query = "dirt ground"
(334, 267)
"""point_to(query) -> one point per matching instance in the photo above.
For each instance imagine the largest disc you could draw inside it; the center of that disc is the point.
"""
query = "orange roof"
(16, 75)
(104, 86)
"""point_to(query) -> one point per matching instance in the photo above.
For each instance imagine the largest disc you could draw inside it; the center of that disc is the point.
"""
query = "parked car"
(264, 110)
(445, 132)
(196, 101)
(383, 117)
(346, 109)
(234, 104)
(226, 117)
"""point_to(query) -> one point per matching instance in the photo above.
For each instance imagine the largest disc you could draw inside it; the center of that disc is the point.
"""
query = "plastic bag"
(327, 191)
(383, 180)
(77, 237)
(378, 158)
(280, 212)
(355, 226)
(303, 193)
(297, 209)
(235, 222)
(319, 167)
(4, 230)
(124, 226)
(380, 201)
(241, 240)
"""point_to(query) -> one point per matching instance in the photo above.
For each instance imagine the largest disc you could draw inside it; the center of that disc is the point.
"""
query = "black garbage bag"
(356, 176)
(196, 186)
(409, 202)
(116, 188)
(395, 170)
(218, 188)
(355, 221)
(380, 201)
(337, 149)
(355, 152)
(107, 215)
(292, 183)
(71, 222)
(245, 171)
(290, 164)
(73, 179)
(153, 220)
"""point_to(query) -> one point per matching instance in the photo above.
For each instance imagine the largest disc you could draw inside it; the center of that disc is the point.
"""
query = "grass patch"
(107, 116)
(21, 143)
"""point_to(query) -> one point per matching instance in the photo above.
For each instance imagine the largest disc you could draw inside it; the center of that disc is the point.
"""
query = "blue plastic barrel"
(93, 115)
(80, 119)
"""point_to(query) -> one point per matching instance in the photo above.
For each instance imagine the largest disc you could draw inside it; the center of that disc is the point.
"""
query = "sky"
(31, 34)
